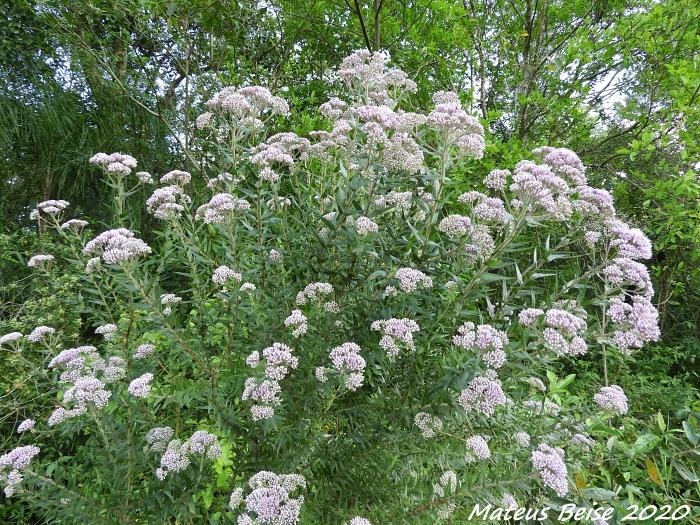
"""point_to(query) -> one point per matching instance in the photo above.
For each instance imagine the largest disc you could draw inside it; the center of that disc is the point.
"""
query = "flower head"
(39, 260)
(117, 246)
(483, 396)
(141, 386)
(612, 398)
(551, 468)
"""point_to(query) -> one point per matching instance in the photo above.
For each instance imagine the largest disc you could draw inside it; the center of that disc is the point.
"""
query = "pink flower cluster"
(459, 128)
(271, 499)
(551, 468)
(539, 190)
(563, 330)
(411, 279)
(220, 208)
(11, 338)
(612, 398)
(278, 151)
(428, 425)
(81, 367)
(634, 323)
(177, 455)
(595, 202)
(117, 246)
(630, 242)
(477, 448)
(243, 108)
(12, 464)
(485, 340)
(346, 359)
(455, 225)
(264, 392)
(564, 163)
(117, 163)
(25, 425)
(483, 396)
(496, 179)
(167, 203)
(397, 335)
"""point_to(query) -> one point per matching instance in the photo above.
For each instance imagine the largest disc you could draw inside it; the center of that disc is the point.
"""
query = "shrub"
(319, 329)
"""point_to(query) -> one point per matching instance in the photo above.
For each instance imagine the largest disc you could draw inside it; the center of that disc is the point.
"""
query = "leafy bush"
(325, 330)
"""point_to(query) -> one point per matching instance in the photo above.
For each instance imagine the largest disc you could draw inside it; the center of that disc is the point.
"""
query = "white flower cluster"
(167, 203)
(221, 207)
(39, 260)
(365, 226)
(81, 367)
(223, 274)
(74, 225)
(313, 292)
(144, 350)
(410, 280)
(12, 464)
(397, 335)
(117, 246)
(117, 163)
(141, 386)
(298, 321)
(447, 485)
(168, 300)
(176, 178)
(279, 361)
(108, 331)
(270, 501)
(428, 425)
(51, 208)
(177, 455)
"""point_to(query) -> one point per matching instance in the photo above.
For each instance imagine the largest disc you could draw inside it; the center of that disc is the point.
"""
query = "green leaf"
(685, 472)
(566, 381)
(599, 494)
(661, 421)
(690, 433)
(645, 443)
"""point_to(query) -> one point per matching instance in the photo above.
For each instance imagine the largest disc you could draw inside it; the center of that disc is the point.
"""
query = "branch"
(358, 12)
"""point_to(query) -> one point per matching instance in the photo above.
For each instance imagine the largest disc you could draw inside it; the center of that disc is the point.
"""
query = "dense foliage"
(399, 312)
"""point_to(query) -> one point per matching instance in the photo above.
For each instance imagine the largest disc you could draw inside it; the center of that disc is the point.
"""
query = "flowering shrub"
(329, 307)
